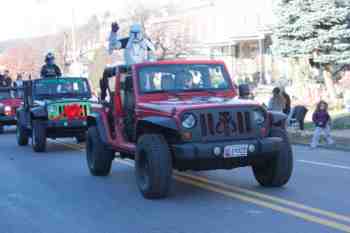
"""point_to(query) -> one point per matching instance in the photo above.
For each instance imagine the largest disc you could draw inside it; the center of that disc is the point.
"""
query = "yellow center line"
(270, 202)
(298, 214)
(268, 197)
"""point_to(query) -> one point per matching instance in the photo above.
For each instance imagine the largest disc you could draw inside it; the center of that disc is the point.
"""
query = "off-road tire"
(99, 157)
(81, 138)
(1, 129)
(21, 135)
(39, 136)
(153, 166)
(276, 171)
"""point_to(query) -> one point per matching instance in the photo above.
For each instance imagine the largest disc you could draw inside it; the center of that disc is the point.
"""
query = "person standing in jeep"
(137, 48)
(50, 69)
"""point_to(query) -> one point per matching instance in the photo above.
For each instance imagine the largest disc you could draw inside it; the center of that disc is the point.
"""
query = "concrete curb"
(341, 144)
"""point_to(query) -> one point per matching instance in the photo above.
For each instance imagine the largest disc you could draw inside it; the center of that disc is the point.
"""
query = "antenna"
(74, 45)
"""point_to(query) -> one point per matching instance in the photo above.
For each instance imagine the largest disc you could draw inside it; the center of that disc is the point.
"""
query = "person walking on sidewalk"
(322, 121)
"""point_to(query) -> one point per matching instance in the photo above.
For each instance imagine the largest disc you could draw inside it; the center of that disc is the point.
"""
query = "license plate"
(236, 151)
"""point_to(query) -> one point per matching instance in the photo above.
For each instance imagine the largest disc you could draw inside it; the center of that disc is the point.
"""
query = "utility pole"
(74, 45)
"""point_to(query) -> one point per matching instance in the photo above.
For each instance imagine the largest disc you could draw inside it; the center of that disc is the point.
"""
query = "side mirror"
(244, 91)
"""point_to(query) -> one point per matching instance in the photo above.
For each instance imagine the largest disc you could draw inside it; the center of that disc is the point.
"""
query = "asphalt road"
(54, 192)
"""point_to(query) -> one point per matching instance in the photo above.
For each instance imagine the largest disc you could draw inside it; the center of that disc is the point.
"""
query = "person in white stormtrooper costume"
(137, 48)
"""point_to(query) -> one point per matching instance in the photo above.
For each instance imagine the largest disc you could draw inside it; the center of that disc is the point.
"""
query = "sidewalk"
(341, 138)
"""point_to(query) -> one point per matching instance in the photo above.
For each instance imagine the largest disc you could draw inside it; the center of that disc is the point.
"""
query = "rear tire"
(81, 138)
(38, 136)
(153, 166)
(22, 137)
(99, 157)
(276, 172)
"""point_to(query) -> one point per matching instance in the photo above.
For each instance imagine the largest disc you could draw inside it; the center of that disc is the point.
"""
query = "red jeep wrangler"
(184, 115)
(10, 100)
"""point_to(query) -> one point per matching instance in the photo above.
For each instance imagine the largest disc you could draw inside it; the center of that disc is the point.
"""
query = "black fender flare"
(157, 121)
(277, 118)
(95, 119)
(20, 116)
(39, 112)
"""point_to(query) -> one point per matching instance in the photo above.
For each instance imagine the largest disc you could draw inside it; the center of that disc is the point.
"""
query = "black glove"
(115, 27)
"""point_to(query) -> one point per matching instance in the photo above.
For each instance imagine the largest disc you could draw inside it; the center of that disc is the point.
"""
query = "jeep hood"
(11, 102)
(178, 105)
(60, 101)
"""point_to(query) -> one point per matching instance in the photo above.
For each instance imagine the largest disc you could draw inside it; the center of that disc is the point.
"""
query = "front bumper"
(7, 120)
(66, 124)
(200, 156)
(65, 128)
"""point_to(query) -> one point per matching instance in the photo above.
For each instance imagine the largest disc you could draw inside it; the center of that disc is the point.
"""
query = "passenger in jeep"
(50, 69)
(187, 81)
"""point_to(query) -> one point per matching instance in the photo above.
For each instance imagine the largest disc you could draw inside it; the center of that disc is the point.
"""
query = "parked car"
(184, 115)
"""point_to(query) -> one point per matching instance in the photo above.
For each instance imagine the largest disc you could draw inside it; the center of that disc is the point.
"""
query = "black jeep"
(53, 108)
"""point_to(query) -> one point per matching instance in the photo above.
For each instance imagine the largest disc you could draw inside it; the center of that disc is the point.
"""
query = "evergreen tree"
(314, 27)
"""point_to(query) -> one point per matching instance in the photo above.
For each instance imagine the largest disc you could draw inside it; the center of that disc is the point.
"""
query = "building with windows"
(239, 34)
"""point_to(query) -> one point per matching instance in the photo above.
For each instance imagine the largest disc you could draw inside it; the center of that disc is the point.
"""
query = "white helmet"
(136, 32)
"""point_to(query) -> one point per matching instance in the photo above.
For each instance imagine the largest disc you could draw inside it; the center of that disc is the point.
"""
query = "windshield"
(181, 78)
(5, 95)
(60, 88)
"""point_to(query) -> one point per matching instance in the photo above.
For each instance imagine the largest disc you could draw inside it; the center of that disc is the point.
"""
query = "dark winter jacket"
(5, 81)
(2, 80)
(50, 71)
(299, 112)
(321, 118)
(8, 81)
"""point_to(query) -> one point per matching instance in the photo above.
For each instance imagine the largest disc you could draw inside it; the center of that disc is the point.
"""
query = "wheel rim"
(143, 167)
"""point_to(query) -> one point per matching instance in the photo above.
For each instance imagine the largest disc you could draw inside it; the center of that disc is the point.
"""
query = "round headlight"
(259, 117)
(189, 120)
(7, 109)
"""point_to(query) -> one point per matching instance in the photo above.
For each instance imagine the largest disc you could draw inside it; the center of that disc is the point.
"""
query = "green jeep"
(53, 108)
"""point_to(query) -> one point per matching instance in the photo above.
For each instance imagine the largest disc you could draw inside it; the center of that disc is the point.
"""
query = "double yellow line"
(307, 213)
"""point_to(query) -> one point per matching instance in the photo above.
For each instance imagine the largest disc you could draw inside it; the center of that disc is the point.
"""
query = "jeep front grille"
(225, 123)
(83, 112)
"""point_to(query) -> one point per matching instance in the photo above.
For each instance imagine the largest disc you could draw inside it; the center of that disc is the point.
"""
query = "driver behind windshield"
(65, 88)
(186, 80)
